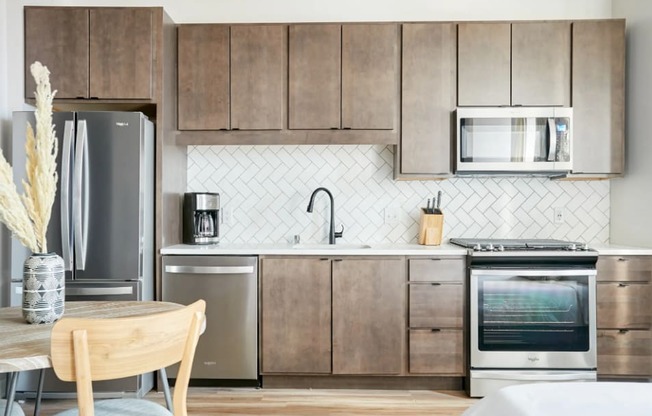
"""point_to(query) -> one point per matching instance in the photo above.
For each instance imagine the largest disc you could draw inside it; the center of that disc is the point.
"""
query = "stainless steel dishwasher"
(228, 350)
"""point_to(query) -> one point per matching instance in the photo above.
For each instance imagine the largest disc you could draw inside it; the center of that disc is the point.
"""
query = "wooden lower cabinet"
(625, 353)
(368, 316)
(332, 316)
(438, 352)
(624, 316)
(296, 316)
(436, 311)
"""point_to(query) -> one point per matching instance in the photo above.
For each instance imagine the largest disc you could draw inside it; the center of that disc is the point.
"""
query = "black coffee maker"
(201, 215)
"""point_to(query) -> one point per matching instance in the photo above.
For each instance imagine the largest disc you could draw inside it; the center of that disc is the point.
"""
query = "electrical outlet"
(391, 215)
(560, 215)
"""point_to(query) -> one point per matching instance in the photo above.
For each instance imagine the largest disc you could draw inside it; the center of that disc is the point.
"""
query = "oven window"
(523, 313)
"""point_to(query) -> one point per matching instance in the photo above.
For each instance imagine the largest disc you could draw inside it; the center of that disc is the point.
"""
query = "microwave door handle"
(552, 142)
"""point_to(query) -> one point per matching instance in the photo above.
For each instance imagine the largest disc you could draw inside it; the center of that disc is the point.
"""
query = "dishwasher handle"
(210, 269)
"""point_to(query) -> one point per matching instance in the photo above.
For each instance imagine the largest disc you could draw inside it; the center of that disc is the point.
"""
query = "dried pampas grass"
(27, 216)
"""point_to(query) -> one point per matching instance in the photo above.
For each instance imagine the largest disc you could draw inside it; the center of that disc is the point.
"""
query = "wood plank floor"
(295, 402)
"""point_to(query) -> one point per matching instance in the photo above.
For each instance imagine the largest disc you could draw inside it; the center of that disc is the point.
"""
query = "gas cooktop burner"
(500, 245)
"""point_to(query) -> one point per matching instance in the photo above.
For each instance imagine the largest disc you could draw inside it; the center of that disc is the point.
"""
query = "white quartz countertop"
(618, 250)
(341, 249)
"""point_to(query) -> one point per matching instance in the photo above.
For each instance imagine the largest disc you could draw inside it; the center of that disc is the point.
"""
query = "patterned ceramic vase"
(43, 288)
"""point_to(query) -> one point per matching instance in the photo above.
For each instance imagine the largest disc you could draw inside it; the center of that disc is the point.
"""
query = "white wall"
(4, 134)
(631, 197)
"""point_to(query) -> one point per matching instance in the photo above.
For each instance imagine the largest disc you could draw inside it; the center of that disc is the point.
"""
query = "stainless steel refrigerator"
(102, 220)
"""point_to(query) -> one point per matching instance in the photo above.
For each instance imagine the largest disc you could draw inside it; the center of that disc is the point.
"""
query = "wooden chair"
(86, 350)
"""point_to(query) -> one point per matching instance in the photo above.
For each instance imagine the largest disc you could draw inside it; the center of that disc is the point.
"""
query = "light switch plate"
(391, 215)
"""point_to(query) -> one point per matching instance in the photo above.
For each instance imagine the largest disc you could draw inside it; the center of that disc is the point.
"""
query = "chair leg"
(163, 376)
(11, 392)
(39, 392)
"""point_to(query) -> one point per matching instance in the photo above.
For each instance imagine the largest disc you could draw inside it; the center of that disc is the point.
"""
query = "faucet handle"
(338, 234)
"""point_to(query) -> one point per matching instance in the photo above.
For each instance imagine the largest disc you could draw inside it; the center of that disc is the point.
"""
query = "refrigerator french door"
(102, 222)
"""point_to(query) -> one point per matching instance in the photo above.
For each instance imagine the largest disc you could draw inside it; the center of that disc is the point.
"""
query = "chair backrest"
(85, 350)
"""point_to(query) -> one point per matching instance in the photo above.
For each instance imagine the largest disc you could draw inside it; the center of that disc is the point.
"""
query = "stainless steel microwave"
(514, 139)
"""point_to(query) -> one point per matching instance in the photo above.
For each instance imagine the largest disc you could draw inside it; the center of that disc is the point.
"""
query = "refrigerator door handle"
(80, 196)
(66, 160)
(99, 291)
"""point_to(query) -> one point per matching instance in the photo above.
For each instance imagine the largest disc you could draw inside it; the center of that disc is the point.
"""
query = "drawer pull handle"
(337, 259)
(622, 259)
(623, 285)
(435, 259)
(324, 259)
(623, 331)
(435, 330)
(435, 284)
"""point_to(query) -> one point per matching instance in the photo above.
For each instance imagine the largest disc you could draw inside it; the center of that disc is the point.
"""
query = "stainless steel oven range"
(531, 312)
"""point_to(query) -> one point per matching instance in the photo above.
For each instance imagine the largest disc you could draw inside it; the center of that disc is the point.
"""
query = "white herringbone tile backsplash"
(267, 189)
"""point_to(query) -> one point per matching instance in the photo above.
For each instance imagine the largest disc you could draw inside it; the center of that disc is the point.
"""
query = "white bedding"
(567, 399)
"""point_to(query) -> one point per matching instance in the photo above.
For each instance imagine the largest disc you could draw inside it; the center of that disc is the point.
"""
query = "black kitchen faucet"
(332, 235)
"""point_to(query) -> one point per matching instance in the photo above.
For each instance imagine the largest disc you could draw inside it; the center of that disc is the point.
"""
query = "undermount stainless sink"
(331, 246)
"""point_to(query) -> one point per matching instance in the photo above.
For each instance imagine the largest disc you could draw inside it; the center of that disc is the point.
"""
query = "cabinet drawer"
(438, 352)
(626, 353)
(624, 268)
(624, 305)
(436, 306)
(437, 270)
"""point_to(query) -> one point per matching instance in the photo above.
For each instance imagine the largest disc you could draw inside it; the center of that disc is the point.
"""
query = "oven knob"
(572, 247)
(500, 247)
(477, 247)
(490, 247)
(584, 247)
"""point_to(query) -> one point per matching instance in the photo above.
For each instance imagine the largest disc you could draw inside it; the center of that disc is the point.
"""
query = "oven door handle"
(531, 272)
(540, 376)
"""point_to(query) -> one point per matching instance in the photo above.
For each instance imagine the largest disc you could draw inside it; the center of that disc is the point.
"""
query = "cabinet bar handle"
(435, 284)
(622, 259)
(623, 285)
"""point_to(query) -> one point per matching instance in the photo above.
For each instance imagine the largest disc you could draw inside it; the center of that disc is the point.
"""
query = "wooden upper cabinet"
(368, 316)
(314, 76)
(517, 64)
(541, 64)
(428, 98)
(370, 76)
(203, 77)
(258, 76)
(58, 38)
(105, 53)
(598, 96)
(295, 315)
(484, 64)
(121, 53)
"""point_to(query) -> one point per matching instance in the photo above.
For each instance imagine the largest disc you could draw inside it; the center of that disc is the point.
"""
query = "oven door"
(542, 318)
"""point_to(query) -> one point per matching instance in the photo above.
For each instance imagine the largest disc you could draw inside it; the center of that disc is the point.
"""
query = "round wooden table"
(26, 346)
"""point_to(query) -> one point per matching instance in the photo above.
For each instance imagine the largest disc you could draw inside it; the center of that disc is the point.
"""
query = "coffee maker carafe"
(201, 214)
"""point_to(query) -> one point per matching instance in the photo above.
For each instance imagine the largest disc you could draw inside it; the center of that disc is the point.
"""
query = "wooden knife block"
(431, 227)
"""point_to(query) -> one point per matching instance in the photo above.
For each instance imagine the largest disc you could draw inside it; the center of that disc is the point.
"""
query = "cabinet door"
(624, 353)
(203, 77)
(541, 63)
(444, 269)
(314, 76)
(121, 53)
(370, 76)
(58, 38)
(368, 316)
(483, 63)
(436, 305)
(428, 95)
(295, 315)
(624, 305)
(258, 54)
(624, 268)
(598, 96)
(437, 352)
